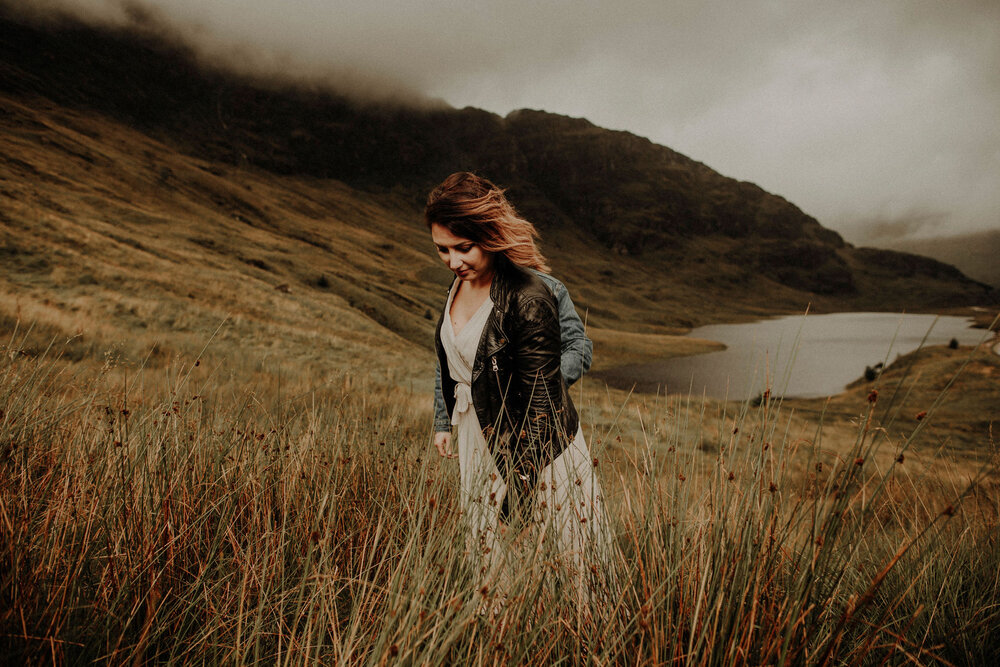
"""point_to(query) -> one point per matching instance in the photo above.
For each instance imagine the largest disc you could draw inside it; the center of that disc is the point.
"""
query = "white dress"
(568, 506)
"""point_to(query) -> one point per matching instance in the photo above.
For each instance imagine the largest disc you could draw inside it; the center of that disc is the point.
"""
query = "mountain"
(145, 191)
(976, 254)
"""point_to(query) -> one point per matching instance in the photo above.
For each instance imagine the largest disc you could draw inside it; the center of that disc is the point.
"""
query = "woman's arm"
(442, 425)
(441, 421)
(577, 351)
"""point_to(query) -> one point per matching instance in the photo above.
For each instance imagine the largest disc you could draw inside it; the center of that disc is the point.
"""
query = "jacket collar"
(504, 279)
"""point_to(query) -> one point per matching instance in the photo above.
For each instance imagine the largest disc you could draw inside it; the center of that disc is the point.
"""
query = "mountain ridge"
(975, 253)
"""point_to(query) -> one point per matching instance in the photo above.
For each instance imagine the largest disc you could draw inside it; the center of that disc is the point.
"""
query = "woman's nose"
(454, 261)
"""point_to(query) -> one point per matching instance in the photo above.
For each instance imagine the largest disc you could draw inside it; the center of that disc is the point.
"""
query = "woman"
(523, 460)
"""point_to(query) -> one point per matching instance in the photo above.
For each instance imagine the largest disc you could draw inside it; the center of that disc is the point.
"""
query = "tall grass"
(170, 515)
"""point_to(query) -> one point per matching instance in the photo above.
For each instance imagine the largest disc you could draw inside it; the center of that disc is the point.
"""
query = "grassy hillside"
(958, 386)
(112, 238)
(108, 235)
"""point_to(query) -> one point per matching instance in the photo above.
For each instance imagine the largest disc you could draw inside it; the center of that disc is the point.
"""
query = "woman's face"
(466, 259)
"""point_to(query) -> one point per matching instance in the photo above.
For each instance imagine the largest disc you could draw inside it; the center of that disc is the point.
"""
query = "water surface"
(804, 356)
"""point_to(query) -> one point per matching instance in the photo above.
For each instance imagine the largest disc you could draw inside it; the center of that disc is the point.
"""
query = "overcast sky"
(872, 115)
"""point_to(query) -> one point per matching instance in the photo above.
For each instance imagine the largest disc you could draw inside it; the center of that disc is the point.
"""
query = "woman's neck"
(479, 283)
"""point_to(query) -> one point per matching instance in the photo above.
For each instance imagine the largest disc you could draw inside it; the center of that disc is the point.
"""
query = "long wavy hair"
(471, 207)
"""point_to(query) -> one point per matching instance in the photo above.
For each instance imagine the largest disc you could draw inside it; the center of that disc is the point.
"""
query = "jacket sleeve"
(577, 349)
(441, 421)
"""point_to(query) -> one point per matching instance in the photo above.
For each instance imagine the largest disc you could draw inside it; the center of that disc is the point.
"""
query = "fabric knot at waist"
(463, 399)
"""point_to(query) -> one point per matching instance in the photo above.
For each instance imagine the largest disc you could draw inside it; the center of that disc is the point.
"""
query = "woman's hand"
(442, 442)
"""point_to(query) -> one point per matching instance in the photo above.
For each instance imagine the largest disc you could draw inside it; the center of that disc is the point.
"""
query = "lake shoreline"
(802, 356)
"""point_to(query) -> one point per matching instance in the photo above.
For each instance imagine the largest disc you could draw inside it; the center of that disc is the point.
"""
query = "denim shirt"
(577, 349)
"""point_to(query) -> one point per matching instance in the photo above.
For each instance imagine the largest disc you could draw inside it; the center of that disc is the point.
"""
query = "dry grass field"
(229, 510)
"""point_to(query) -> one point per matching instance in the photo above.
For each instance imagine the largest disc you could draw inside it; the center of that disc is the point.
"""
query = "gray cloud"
(861, 113)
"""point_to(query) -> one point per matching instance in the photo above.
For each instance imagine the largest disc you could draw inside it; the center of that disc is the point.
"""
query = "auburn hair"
(471, 207)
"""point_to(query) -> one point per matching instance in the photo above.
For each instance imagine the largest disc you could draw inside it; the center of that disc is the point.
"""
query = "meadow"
(217, 508)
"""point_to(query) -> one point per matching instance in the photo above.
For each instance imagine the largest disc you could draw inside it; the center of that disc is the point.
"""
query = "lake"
(803, 356)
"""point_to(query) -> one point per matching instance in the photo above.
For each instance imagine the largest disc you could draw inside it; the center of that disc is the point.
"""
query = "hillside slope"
(976, 254)
(107, 235)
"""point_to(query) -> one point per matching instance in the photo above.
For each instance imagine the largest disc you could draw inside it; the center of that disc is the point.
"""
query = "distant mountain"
(977, 255)
(104, 129)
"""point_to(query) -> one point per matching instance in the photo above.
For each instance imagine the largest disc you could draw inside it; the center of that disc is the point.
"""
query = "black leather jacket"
(518, 390)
